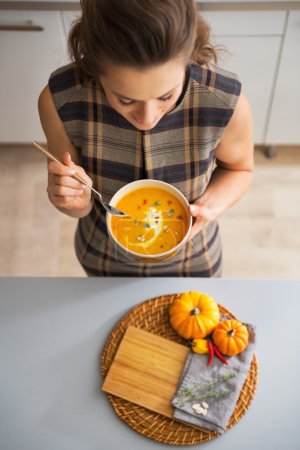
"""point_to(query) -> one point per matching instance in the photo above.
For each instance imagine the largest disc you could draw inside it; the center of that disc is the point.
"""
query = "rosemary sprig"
(210, 394)
(206, 387)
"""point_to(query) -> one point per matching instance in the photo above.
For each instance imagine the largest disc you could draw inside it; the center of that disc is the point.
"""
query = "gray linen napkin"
(197, 373)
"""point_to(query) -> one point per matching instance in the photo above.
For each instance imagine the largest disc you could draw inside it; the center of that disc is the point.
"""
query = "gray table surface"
(52, 332)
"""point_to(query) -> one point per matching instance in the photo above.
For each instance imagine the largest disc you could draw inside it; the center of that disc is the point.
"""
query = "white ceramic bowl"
(138, 257)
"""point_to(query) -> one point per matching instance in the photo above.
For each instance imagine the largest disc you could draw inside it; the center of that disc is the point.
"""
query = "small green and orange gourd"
(231, 337)
(194, 315)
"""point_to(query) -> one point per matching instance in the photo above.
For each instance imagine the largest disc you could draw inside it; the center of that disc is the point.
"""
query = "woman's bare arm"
(233, 175)
(67, 194)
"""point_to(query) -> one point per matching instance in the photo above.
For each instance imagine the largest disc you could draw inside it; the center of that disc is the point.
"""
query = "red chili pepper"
(219, 355)
(211, 353)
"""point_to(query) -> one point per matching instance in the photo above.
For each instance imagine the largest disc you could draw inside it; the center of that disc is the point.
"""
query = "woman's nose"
(147, 113)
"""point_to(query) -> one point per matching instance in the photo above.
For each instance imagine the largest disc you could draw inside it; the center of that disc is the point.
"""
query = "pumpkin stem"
(195, 311)
(231, 333)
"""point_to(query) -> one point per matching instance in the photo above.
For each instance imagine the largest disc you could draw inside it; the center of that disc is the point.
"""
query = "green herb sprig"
(200, 392)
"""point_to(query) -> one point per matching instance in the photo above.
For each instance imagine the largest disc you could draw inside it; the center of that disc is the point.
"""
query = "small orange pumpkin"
(231, 337)
(194, 315)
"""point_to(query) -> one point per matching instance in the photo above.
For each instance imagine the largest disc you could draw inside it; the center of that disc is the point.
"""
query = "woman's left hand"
(203, 216)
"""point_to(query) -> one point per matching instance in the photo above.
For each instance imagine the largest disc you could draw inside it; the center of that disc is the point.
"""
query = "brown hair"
(138, 33)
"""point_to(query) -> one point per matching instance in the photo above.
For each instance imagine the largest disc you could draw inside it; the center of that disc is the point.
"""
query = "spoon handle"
(49, 155)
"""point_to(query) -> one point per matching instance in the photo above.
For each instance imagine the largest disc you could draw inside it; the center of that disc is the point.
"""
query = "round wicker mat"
(152, 315)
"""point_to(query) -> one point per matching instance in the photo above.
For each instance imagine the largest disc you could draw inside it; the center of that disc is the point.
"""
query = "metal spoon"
(109, 208)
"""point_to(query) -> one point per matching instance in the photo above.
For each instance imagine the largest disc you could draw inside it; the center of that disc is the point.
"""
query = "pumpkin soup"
(158, 221)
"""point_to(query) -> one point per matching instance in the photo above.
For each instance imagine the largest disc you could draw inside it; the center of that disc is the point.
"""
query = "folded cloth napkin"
(225, 381)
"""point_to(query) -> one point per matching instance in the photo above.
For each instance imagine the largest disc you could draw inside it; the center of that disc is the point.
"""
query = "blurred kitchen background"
(260, 234)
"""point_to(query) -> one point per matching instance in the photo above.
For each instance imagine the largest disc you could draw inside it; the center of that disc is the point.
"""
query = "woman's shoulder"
(69, 84)
(66, 77)
(65, 80)
(222, 84)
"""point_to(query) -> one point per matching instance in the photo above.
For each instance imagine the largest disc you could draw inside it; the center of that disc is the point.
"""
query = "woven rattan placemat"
(152, 315)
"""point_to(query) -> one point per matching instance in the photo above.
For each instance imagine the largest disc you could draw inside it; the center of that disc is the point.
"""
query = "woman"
(138, 101)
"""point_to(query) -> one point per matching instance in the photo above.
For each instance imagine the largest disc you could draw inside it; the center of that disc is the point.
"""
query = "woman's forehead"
(150, 83)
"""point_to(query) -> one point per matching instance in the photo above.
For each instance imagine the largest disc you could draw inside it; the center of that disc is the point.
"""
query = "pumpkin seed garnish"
(171, 212)
(165, 228)
(158, 202)
(196, 406)
(146, 225)
(200, 409)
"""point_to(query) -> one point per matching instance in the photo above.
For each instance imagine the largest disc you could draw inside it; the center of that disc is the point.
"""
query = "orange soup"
(158, 221)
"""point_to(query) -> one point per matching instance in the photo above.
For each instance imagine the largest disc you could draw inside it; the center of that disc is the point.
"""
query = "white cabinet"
(262, 47)
(252, 42)
(284, 124)
(27, 59)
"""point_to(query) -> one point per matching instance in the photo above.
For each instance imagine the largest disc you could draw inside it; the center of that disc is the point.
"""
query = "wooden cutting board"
(146, 370)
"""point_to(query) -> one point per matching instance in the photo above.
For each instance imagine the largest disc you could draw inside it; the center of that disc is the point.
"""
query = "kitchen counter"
(52, 332)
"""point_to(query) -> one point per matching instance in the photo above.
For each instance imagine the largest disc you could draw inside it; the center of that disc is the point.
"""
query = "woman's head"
(138, 33)
(140, 49)
(143, 96)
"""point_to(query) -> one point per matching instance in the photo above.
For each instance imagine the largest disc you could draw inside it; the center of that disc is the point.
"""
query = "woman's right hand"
(66, 192)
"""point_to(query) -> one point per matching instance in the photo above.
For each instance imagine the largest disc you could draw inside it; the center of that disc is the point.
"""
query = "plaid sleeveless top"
(179, 150)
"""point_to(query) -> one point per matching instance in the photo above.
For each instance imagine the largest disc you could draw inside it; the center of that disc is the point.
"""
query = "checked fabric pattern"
(180, 150)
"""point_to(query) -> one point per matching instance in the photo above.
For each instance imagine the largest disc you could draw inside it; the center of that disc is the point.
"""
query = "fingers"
(69, 182)
(63, 189)
(63, 185)
(82, 174)
(60, 169)
(197, 211)
(67, 160)
(202, 217)
(61, 174)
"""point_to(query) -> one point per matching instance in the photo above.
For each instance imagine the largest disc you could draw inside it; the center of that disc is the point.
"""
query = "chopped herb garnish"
(171, 212)
(146, 225)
